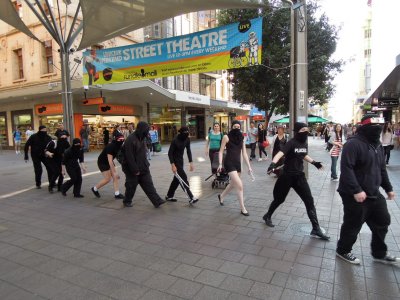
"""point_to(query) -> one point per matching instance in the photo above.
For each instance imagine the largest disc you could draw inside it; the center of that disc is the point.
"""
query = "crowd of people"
(364, 154)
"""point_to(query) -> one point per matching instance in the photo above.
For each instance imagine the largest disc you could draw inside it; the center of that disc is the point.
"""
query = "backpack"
(121, 155)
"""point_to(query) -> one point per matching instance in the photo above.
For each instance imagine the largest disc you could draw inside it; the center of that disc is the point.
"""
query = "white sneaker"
(388, 259)
(260, 159)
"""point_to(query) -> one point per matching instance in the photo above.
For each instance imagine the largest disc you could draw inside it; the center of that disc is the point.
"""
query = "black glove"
(317, 164)
(271, 167)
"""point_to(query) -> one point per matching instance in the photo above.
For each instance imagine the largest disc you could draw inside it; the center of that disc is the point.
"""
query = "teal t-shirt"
(215, 140)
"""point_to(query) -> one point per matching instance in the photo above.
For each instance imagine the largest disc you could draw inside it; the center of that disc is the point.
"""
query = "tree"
(267, 86)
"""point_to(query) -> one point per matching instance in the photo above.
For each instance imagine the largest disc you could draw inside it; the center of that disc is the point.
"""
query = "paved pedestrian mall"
(55, 247)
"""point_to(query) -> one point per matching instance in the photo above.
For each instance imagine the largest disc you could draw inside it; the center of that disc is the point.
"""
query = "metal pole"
(66, 93)
(292, 104)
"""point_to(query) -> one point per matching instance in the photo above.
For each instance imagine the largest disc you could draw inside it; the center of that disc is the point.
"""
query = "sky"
(349, 16)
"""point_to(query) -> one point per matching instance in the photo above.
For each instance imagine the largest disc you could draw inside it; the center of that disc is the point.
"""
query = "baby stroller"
(221, 179)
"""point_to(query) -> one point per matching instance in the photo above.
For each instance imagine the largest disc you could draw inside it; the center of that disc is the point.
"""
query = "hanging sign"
(236, 45)
(49, 109)
(116, 110)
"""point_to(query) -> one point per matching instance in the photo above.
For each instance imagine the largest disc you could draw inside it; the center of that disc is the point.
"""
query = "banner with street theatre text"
(233, 46)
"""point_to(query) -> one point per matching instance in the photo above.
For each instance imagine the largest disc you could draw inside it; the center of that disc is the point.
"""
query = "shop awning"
(311, 119)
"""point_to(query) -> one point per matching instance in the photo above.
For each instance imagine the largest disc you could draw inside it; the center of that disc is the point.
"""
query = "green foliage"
(267, 86)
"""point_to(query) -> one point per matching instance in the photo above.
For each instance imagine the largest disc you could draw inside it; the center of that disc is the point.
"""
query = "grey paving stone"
(21, 294)
(186, 271)
(67, 272)
(188, 258)
(7, 289)
(79, 293)
(302, 284)
(306, 271)
(259, 274)
(280, 279)
(210, 293)
(184, 288)
(278, 265)
(153, 294)
(265, 291)
(295, 295)
(325, 289)
(211, 278)
(210, 263)
(164, 266)
(233, 268)
(237, 284)
(231, 255)
(160, 282)
(254, 260)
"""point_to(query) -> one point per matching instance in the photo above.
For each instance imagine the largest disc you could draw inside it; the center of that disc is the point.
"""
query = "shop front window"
(167, 120)
(22, 119)
(3, 129)
(51, 122)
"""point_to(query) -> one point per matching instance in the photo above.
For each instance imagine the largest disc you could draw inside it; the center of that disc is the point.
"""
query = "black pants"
(261, 150)
(253, 150)
(146, 182)
(55, 171)
(175, 183)
(387, 153)
(75, 180)
(37, 166)
(300, 185)
(372, 211)
(211, 155)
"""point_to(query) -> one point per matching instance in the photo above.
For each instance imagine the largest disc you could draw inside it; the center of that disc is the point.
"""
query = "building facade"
(30, 86)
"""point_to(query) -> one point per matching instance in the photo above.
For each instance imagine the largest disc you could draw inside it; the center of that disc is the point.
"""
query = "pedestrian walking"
(117, 131)
(154, 138)
(336, 140)
(363, 172)
(213, 143)
(17, 135)
(106, 136)
(37, 144)
(295, 152)
(28, 132)
(387, 140)
(252, 136)
(105, 163)
(175, 155)
(73, 163)
(261, 139)
(61, 131)
(136, 167)
(84, 134)
(278, 142)
(235, 149)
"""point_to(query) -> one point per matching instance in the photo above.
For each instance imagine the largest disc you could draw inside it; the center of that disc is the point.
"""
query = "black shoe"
(96, 193)
(63, 193)
(349, 257)
(79, 196)
(161, 202)
(170, 199)
(51, 191)
(126, 204)
(119, 196)
(244, 214)
(59, 189)
(268, 221)
(219, 199)
(319, 234)
(193, 200)
(38, 187)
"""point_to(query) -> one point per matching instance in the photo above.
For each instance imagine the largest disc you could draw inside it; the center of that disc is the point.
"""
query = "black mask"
(301, 136)
(183, 135)
(235, 136)
(372, 133)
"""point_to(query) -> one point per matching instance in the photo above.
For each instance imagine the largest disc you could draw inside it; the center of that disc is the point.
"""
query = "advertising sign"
(117, 110)
(49, 109)
(232, 46)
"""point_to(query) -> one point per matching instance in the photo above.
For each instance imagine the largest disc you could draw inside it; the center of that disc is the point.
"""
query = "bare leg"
(115, 183)
(105, 180)
(236, 182)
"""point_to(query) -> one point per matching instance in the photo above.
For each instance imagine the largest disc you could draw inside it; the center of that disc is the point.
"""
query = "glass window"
(19, 64)
(23, 119)
(47, 57)
(207, 86)
(3, 129)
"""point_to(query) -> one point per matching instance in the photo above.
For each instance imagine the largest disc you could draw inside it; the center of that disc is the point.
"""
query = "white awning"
(103, 20)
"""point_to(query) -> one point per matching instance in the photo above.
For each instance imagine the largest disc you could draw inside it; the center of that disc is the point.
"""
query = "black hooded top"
(38, 142)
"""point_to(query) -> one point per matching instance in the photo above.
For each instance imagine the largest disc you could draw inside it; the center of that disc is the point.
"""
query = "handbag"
(265, 144)
(391, 147)
(157, 147)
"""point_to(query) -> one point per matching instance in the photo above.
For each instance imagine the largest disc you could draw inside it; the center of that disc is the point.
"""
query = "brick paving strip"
(55, 247)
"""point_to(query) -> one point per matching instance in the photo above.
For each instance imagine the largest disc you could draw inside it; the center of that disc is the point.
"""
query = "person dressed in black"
(73, 162)
(278, 142)
(54, 153)
(235, 149)
(175, 155)
(295, 151)
(106, 137)
(261, 138)
(61, 131)
(105, 162)
(37, 142)
(363, 171)
(136, 167)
